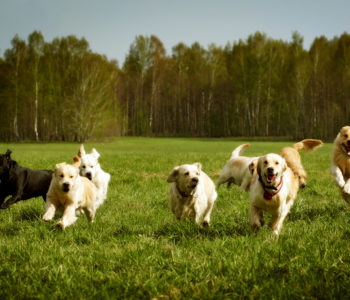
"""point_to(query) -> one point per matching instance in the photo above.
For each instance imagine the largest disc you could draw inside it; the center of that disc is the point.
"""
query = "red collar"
(268, 195)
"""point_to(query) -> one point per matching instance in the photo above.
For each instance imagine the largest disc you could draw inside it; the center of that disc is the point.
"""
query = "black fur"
(21, 183)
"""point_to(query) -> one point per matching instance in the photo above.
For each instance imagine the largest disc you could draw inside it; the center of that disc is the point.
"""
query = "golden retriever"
(292, 157)
(273, 190)
(69, 192)
(192, 193)
(237, 170)
(341, 162)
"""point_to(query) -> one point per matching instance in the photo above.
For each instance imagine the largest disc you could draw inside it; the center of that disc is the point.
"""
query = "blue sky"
(111, 26)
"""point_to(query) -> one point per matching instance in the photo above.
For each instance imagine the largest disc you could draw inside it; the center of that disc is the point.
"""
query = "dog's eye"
(84, 167)
(197, 173)
(61, 176)
(276, 162)
(265, 162)
(346, 136)
(187, 173)
(71, 176)
(91, 166)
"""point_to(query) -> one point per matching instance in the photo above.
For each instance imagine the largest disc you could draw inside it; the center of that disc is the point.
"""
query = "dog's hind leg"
(10, 201)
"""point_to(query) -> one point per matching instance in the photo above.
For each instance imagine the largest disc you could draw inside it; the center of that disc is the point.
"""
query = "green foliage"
(136, 249)
(62, 91)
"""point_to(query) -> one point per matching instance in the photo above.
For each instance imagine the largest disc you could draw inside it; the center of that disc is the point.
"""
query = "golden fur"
(277, 180)
(292, 157)
(237, 169)
(192, 193)
(68, 193)
(341, 162)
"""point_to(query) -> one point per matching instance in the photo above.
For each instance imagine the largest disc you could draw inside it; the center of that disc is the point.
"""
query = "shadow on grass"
(314, 213)
(29, 214)
(184, 230)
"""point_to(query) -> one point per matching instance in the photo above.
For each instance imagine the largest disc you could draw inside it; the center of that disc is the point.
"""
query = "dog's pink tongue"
(271, 178)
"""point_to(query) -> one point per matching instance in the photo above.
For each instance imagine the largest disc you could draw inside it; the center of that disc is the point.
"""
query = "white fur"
(192, 193)
(91, 169)
(236, 169)
(280, 204)
(69, 192)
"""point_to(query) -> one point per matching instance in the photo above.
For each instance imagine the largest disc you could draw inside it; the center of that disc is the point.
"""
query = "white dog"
(237, 169)
(273, 190)
(69, 192)
(192, 193)
(91, 169)
(341, 162)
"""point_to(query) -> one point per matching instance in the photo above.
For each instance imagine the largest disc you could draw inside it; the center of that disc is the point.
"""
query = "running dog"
(91, 169)
(21, 183)
(273, 190)
(341, 162)
(192, 193)
(292, 157)
(69, 192)
(238, 170)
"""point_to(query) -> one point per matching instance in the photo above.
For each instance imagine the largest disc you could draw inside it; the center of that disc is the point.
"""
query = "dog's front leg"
(50, 211)
(346, 188)
(338, 176)
(256, 218)
(68, 217)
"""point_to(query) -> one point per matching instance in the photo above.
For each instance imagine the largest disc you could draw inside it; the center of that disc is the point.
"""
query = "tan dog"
(292, 157)
(341, 162)
(69, 192)
(192, 193)
(238, 170)
(273, 190)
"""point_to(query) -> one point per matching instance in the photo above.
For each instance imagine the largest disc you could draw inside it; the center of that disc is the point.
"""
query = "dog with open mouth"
(91, 169)
(273, 190)
(192, 193)
(68, 193)
(341, 162)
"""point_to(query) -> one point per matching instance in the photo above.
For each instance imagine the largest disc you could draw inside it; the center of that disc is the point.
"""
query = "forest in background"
(262, 87)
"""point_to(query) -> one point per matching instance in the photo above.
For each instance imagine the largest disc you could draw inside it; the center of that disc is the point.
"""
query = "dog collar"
(184, 195)
(267, 195)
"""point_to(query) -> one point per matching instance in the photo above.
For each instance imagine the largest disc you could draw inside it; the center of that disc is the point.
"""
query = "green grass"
(136, 249)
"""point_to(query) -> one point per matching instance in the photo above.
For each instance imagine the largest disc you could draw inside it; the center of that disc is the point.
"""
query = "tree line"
(63, 91)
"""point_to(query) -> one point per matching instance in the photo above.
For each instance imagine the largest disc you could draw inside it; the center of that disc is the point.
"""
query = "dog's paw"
(206, 223)
(346, 188)
(60, 225)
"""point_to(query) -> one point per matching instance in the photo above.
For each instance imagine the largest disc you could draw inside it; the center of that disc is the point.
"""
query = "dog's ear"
(8, 153)
(81, 151)
(173, 175)
(95, 153)
(258, 169)
(198, 165)
(253, 166)
(284, 168)
(59, 166)
(76, 161)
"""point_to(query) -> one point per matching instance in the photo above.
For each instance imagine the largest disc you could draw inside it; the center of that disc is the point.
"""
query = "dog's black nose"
(270, 170)
(195, 180)
(65, 187)
(303, 185)
(88, 175)
(348, 142)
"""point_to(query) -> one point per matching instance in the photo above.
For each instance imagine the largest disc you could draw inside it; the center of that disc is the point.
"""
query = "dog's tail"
(308, 145)
(238, 150)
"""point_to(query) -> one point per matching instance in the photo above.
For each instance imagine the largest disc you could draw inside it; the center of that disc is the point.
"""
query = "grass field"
(136, 249)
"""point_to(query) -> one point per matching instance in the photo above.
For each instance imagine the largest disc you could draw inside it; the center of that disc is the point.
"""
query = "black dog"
(21, 183)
